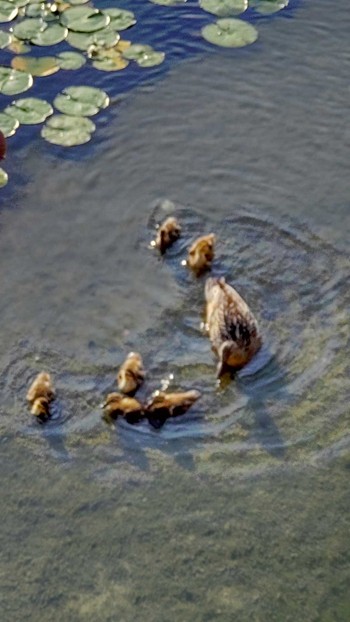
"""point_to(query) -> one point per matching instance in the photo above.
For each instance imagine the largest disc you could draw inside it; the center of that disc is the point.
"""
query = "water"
(240, 508)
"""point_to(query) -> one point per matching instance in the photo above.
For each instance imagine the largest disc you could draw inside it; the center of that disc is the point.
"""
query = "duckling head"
(41, 408)
(201, 253)
(168, 232)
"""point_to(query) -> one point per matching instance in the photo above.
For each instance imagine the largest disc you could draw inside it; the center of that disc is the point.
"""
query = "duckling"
(168, 232)
(131, 373)
(40, 393)
(201, 253)
(232, 327)
(163, 405)
(117, 404)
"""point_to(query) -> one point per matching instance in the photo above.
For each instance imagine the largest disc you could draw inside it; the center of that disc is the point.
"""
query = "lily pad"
(268, 7)
(109, 59)
(3, 178)
(13, 82)
(102, 38)
(67, 131)
(144, 55)
(5, 39)
(41, 10)
(230, 33)
(18, 47)
(84, 19)
(8, 11)
(224, 8)
(71, 60)
(120, 19)
(28, 28)
(75, 2)
(53, 34)
(81, 101)
(30, 110)
(42, 66)
(8, 125)
(20, 3)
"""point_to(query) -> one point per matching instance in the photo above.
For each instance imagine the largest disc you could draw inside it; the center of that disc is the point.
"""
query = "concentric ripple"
(289, 405)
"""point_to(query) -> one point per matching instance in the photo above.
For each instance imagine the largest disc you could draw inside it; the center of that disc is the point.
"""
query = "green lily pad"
(109, 59)
(18, 47)
(71, 60)
(268, 7)
(53, 34)
(144, 55)
(3, 178)
(28, 28)
(75, 2)
(84, 19)
(168, 2)
(42, 66)
(8, 125)
(29, 111)
(101, 38)
(8, 11)
(67, 131)
(120, 19)
(41, 10)
(230, 33)
(13, 82)
(81, 101)
(224, 8)
(20, 3)
(5, 39)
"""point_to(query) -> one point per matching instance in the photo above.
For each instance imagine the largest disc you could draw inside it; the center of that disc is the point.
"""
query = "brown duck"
(118, 405)
(40, 393)
(232, 327)
(164, 405)
(131, 373)
(201, 254)
(168, 232)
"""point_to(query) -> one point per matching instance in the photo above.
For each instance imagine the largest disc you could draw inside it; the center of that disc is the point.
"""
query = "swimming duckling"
(131, 373)
(117, 404)
(40, 393)
(163, 405)
(168, 232)
(201, 253)
(232, 327)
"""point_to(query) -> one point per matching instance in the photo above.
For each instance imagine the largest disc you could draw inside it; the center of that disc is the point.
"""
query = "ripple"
(289, 404)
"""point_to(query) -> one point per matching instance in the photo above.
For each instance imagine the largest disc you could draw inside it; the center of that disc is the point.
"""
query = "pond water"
(239, 509)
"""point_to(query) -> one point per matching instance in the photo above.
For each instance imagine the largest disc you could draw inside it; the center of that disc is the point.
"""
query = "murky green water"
(240, 509)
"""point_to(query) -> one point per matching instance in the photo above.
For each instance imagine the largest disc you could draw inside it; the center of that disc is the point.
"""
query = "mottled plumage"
(40, 393)
(131, 373)
(165, 405)
(201, 253)
(232, 327)
(117, 404)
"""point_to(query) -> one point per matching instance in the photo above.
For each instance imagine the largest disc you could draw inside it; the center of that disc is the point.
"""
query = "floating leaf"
(39, 9)
(42, 66)
(224, 8)
(18, 47)
(267, 7)
(8, 125)
(3, 178)
(82, 101)
(30, 110)
(53, 34)
(230, 33)
(28, 28)
(5, 39)
(13, 82)
(75, 2)
(168, 2)
(122, 45)
(8, 11)
(71, 60)
(102, 38)
(144, 55)
(109, 59)
(84, 19)
(120, 19)
(67, 131)
(20, 3)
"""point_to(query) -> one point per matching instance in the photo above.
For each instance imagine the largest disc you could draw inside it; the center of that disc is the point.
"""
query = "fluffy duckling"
(168, 232)
(232, 327)
(163, 405)
(117, 404)
(131, 373)
(40, 393)
(201, 253)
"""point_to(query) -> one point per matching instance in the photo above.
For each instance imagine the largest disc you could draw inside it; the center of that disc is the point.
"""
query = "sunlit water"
(238, 510)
